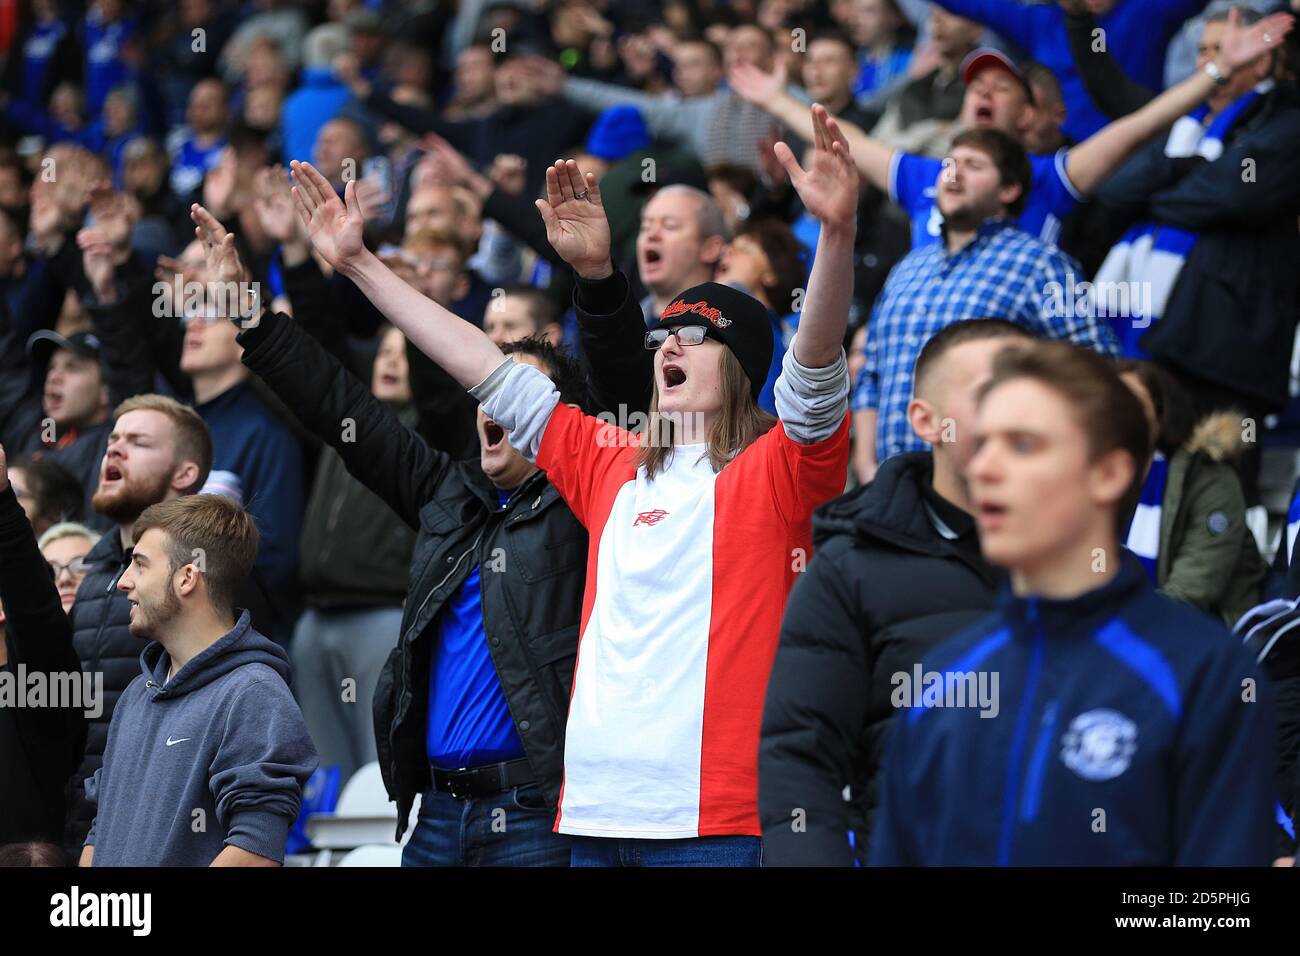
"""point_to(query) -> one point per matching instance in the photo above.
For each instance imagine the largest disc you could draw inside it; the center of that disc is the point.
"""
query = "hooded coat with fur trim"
(1208, 556)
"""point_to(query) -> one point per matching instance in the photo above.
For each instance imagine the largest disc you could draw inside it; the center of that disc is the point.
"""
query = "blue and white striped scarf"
(1143, 537)
(1154, 253)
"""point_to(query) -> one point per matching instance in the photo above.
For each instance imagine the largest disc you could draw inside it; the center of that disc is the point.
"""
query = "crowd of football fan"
(1053, 165)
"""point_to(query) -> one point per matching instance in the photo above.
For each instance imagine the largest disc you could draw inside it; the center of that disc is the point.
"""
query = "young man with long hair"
(1130, 729)
(676, 642)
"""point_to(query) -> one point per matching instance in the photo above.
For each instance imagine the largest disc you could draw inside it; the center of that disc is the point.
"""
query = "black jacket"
(39, 746)
(531, 609)
(883, 588)
(1231, 317)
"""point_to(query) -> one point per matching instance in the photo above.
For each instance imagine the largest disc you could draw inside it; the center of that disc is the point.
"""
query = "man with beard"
(158, 449)
(985, 268)
(209, 730)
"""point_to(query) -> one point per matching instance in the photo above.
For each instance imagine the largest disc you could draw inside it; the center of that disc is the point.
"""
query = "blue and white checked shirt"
(1003, 273)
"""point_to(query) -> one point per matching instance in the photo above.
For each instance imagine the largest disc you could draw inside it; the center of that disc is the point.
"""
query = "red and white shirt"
(687, 578)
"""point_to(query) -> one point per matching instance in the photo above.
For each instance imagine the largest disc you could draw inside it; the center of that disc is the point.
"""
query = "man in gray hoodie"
(207, 752)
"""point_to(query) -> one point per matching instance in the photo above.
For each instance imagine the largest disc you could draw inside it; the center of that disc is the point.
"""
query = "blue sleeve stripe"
(968, 662)
(1144, 660)
(1284, 821)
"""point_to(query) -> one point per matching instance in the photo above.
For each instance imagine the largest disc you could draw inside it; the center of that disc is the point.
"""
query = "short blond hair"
(193, 440)
(210, 531)
(67, 529)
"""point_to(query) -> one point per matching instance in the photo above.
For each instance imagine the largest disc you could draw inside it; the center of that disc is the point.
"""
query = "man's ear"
(925, 421)
(711, 251)
(1111, 476)
(553, 333)
(1027, 118)
(1009, 193)
(184, 476)
(189, 580)
(461, 288)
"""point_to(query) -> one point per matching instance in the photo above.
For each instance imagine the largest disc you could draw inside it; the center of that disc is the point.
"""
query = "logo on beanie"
(701, 308)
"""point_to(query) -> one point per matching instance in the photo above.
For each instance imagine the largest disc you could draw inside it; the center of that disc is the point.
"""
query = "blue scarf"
(1152, 255)
(1143, 535)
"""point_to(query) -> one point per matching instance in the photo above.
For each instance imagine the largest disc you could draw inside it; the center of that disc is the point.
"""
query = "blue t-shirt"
(105, 67)
(38, 51)
(469, 722)
(1051, 196)
(190, 163)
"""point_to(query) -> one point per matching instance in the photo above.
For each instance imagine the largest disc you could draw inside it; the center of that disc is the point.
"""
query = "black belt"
(481, 781)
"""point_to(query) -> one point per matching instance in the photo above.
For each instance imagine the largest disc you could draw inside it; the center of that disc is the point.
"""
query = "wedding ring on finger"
(581, 195)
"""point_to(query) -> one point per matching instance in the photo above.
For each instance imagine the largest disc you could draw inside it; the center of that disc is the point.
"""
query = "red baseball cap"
(985, 57)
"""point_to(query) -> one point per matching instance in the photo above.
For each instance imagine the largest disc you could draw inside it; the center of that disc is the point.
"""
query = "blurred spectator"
(353, 611)
(1136, 34)
(105, 35)
(680, 243)
(919, 114)
(65, 546)
(521, 312)
(39, 746)
(319, 95)
(885, 37)
(984, 268)
(1215, 241)
(717, 125)
(197, 148)
(44, 53)
(48, 492)
(1190, 528)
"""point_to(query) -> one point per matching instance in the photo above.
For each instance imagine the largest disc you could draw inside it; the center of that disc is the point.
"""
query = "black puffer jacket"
(533, 554)
(103, 644)
(883, 588)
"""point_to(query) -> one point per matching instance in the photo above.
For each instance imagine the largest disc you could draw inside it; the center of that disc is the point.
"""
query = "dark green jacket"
(1208, 556)
(355, 550)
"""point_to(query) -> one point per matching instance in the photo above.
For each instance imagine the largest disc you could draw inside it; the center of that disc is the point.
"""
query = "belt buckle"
(455, 783)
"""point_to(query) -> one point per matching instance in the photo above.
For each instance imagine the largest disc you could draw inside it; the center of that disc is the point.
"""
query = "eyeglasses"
(686, 335)
(76, 567)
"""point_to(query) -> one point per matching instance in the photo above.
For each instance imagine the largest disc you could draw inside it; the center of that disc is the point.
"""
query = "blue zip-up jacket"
(1130, 730)
(1137, 32)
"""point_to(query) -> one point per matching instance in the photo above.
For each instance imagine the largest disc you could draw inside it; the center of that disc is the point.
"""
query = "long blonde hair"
(738, 424)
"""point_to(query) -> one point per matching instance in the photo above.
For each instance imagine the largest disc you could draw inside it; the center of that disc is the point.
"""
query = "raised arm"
(767, 91)
(829, 190)
(620, 372)
(1103, 78)
(335, 227)
(1096, 157)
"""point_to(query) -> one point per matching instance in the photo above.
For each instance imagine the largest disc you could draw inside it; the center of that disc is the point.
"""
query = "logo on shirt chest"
(1099, 744)
(650, 517)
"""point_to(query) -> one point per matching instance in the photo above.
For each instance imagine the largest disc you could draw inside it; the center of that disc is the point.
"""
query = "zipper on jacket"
(1012, 786)
(1038, 765)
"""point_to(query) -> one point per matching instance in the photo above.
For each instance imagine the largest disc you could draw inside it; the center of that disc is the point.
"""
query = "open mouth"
(112, 473)
(493, 435)
(991, 511)
(653, 257)
(673, 377)
(391, 381)
(983, 114)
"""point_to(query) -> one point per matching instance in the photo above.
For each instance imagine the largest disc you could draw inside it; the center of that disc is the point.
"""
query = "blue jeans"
(693, 851)
(511, 828)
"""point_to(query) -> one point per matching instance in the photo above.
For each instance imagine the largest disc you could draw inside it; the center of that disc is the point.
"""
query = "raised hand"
(335, 226)
(220, 258)
(576, 227)
(219, 183)
(1240, 45)
(754, 86)
(829, 187)
(273, 204)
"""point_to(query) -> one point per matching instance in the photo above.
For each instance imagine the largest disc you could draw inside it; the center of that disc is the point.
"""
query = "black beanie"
(738, 321)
